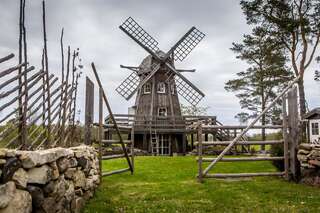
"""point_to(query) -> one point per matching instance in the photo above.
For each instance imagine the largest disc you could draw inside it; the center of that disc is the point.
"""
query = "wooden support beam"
(6, 58)
(109, 157)
(116, 141)
(115, 172)
(285, 137)
(240, 175)
(225, 143)
(244, 159)
(200, 174)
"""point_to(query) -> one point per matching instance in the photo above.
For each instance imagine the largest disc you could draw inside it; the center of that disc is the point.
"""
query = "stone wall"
(309, 157)
(52, 180)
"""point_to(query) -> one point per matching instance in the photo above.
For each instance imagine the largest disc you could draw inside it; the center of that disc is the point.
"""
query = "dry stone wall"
(309, 157)
(52, 180)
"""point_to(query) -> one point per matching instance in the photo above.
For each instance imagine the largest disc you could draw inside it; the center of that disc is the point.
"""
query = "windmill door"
(164, 144)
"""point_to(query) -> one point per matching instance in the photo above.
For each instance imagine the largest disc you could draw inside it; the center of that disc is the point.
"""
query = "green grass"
(168, 184)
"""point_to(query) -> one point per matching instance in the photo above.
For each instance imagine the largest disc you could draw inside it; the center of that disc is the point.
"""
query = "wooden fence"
(37, 110)
(290, 130)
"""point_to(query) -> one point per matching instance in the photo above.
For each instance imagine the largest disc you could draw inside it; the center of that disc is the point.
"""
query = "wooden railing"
(290, 140)
(30, 118)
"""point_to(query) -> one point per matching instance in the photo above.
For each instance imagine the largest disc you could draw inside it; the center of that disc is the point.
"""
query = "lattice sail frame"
(132, 28)
(188, 44)
(187, 92)
(128, 87)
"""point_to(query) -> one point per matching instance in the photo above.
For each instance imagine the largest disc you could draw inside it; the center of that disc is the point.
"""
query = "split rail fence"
(36, 110)
(290, 132)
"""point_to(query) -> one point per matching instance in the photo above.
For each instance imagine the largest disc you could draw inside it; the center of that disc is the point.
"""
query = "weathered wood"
(89, 110)
(6, 58)
(100, 129)
(15, 77)
(239, 175)
(116, 141)
(293, 123)
(235, 140)
(234, 127)
(285, 137)
(200, 174)
(109, 157)
(111, 116)
(243, 159)
(132, 148)
(115, 172)
(225, 143)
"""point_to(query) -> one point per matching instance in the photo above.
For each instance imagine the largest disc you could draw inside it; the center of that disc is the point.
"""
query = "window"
(147, 88)
(161, 87)
(162, 111)
(172, 89)
(315, 128)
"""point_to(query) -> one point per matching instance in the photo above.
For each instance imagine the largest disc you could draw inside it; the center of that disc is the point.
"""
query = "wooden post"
(100, 129)
(89, 107)
(184, 144)
(285, 137)
(192, 142)
(294, 133)
(132, 148)
(200, 174)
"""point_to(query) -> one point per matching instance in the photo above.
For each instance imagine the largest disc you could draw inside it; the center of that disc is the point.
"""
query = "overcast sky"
(92, 26)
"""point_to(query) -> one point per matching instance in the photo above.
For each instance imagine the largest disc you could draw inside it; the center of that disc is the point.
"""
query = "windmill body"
(158, 124)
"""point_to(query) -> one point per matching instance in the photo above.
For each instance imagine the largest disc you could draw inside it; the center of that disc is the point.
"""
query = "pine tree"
(267, 74)
(297, 24)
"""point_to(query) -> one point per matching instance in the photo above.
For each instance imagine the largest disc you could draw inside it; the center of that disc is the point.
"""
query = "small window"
(161, 87)
(172, 89)
(315, 128)
(147, 88)
(162, 111)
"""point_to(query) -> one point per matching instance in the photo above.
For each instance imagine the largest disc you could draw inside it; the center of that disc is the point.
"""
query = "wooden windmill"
(158, 83)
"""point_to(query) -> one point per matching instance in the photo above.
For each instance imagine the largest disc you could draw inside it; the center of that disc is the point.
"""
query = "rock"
(83, 162)
(37, 196)
(21, 203)
(49, 205)
(79, 179)
(40, 175)
(3, 153)
(78, 192)
(55, 170)
(70, 172)
(87, 195)
(31, 159)
(314, 162)
(9, 168)
(77, 204)
(2, 162)
(56, 189)
(20, 177)
(303, 152)
(302, 157)
(70, 193)
(65, 163)
(7, 192)
(305, 146)
(11, 153)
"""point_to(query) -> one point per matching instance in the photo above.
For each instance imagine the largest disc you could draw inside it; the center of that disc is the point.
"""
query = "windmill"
(158, 83)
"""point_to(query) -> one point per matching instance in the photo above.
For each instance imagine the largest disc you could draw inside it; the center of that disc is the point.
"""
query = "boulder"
(79, 179)
(21, 203)
(65, 163)
(56, 189)
(31, 159)
(40, 175)
(49, 205)
(70, 193)
(70, 172)
(9, 168)
(37, 196)
(7, 192)
(305, 146)
(20, 177)
(55, 170)
(77, 204)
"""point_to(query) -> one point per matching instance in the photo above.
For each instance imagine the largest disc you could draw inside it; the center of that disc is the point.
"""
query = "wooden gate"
(290, 129)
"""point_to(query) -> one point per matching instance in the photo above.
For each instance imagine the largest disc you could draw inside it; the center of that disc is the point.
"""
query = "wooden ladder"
(154, 142)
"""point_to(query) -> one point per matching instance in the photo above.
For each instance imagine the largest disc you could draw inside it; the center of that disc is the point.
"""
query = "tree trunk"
(303, 109)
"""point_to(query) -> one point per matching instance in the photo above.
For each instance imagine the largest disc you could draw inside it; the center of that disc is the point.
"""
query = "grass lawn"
(168, 184)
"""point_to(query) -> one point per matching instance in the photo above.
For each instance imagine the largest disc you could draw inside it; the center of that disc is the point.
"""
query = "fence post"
(285, 137)
(89, 108)
(293, 122)
(100, 129)
(200, 178)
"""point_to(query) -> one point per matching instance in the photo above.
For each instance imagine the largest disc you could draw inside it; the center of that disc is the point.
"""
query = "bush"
(277, 151)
